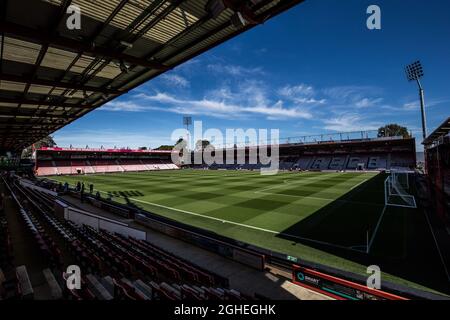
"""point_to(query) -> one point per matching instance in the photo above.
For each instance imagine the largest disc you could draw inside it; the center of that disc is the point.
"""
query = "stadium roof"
(99, 150)
(442, 130)
(51, 76)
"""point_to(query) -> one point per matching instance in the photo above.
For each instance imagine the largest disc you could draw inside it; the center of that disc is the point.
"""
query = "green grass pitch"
(326, 218)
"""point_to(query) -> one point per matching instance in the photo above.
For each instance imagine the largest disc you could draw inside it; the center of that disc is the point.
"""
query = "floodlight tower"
(414, 72)
(187, 121)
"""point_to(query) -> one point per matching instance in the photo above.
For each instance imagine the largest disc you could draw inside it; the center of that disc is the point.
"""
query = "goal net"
(396, 190)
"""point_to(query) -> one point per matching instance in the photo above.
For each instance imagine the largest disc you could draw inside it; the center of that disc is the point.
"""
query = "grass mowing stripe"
(320, 198)
(238, 224)
(295, 182)
(215, 196)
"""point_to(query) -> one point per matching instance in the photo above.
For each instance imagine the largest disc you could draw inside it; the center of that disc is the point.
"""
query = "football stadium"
(334, 212)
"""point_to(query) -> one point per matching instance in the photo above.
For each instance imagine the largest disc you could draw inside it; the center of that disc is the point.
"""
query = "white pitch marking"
(318, 198)
(236, 223)
(437, 245)
(357, 185)
(376, 228)
(293, 182)
(262, 191)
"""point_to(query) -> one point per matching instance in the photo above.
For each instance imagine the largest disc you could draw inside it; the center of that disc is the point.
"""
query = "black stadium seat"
(114, 266)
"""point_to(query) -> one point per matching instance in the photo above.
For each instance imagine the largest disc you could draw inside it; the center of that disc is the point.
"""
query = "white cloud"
(221, 93)
(368, 102)
(248, 96)
(109, 138)
(301, 94)
(415, 105)
(349, 122)
(353, 97)
(297, 90)
(124, 106)
(256, 98)
(234, 70)
(411, 106)
(278, 112)
(226, 109)
(351, 93)
(175, 80)
(158, 97)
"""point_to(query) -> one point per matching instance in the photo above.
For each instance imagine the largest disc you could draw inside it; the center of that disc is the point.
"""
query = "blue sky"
(315, 69)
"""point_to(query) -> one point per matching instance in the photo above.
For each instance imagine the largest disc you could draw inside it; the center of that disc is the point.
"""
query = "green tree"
(202, 144)
(44, 142)
(164, 147)
(393, 130)
(169, 147)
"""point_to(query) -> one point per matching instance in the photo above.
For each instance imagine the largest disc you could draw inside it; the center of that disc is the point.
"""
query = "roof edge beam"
(63, 85)
(40, 37)
(44, 103)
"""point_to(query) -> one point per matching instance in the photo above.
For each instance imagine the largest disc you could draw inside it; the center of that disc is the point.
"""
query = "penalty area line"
(199, 215)
(437, 245)
(376, 229)
(319, 198)
(292, 181)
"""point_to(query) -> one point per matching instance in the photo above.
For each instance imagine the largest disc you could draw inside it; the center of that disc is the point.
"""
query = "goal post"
(401, 177)
(397, 193)
(396, 190)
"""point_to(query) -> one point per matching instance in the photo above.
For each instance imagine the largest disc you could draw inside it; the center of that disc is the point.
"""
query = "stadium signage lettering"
(311, 280)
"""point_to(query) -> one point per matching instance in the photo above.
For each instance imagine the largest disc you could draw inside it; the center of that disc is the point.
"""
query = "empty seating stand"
(55, 289)
(5, 242)
(24, 284)
(58, 167)
(7, 277)
(98, 289)
(113, 266)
